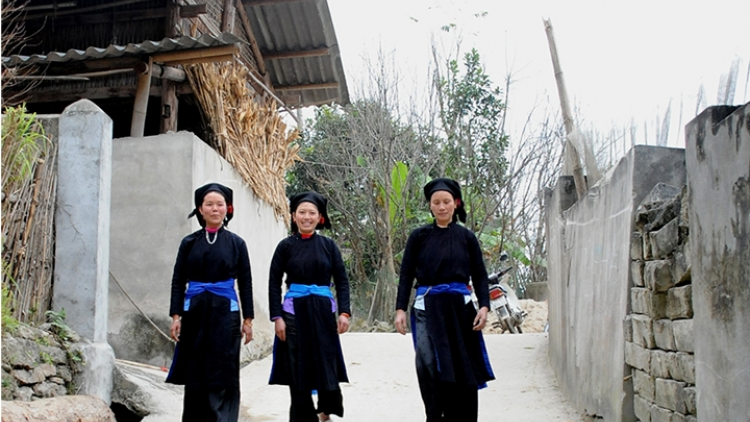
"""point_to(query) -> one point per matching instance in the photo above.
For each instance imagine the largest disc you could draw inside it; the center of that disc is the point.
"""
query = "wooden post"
(571, 154)
(168, 88)
(140, 105)
(227, 18)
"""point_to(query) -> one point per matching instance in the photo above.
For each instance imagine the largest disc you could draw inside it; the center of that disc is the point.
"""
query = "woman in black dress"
(451, 360)
(206, 321)
(307, 352)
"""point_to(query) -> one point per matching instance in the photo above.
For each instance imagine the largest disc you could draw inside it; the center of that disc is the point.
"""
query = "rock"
(48, 389)
(67, 408)
(26, 377)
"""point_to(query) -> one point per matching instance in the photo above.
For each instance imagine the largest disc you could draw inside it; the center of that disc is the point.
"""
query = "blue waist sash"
(302, 290)
(454, 288)
(221, 288)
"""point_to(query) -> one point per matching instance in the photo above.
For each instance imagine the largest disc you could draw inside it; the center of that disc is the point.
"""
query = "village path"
(384, 383)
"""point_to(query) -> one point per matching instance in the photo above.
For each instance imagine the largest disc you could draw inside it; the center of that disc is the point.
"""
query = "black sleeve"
(341, 280)
(179, 279)
(275, 277)
(408, 271)
(245, 279)
(478, 271)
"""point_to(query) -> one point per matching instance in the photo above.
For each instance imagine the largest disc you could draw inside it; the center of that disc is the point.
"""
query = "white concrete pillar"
(84, 174)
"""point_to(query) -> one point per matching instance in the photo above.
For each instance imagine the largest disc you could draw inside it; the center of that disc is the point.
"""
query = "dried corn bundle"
(247, 130)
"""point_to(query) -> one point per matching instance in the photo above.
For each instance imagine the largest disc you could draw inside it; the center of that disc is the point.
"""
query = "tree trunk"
(58, 409)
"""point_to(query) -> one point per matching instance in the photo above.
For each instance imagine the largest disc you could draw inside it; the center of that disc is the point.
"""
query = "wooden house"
(129, 56)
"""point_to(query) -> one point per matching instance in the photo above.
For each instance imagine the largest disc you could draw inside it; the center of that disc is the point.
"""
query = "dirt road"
(384, 384)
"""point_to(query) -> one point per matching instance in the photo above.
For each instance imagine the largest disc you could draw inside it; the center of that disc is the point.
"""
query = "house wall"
(588, 265)
(153, 180)
(718, 160)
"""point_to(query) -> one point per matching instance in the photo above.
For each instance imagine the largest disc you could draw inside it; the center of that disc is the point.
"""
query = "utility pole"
(571, 154)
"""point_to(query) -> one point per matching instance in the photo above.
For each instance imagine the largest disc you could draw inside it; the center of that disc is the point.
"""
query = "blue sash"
(221, 288)
(302, 290)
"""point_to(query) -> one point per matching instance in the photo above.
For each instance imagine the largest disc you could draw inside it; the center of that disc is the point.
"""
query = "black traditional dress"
(207, 357)
(451, 358)
(310, 360)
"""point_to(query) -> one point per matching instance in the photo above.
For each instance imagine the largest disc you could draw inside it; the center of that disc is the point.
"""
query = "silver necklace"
(208, 238)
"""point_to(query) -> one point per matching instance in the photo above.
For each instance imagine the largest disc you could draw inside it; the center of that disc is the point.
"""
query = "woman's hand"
(174, 329)
(343, 323)
(481, 318)
(280, 327)
(400, 321)
(247, 329)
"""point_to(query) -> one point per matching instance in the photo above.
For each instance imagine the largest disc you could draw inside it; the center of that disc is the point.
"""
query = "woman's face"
(306, 217)
(442, 206)
(213, 209)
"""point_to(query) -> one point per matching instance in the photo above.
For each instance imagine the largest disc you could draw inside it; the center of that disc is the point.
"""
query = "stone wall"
(659, 329)
(37, 364)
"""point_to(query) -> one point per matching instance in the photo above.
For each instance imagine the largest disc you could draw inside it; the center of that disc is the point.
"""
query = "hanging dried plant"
(247, 130)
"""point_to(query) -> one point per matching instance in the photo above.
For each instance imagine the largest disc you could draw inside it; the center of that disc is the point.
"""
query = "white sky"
(621, 60)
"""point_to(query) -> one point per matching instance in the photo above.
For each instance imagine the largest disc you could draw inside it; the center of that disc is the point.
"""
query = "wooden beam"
(140, 105)
(192, 11)
(268, 2)
(177, 57)
(297, 54)
(251, 37)
(53, 14)
(99, 93)
(227, 17)
(307, 87)
(169, 103)
(210, 59)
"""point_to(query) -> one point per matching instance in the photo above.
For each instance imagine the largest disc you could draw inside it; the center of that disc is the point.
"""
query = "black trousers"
(302, 408)
(443, 402)
(205, 405)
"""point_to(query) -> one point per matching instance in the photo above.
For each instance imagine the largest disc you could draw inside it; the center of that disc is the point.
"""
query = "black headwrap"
(201, 192)
(451, 186)
(316, 199)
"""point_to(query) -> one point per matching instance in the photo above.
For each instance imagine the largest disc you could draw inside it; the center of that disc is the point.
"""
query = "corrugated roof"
(287, 27)
(146, 47)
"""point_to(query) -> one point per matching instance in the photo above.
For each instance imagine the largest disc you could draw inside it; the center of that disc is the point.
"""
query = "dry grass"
(247, 130)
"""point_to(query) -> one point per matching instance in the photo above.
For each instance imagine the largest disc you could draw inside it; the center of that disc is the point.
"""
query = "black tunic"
(311, 357)
(208, 353)
(437, 255)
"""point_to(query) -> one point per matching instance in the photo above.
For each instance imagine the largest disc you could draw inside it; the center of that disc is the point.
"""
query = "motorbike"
(505, 304)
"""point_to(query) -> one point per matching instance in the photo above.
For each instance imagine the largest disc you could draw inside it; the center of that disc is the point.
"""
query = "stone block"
(658, 275)
(47, 389)
(663, 334)
(660, 414)
(680, 302)
(646, 246)
(627, 327)
(689, 397)
(636, 246)
(637, 357)
(683, 335)
(643, 334)
(681, 264)
(636, 273)
(682, 367)
(677, 417)
(661, 361)
(669, 395)
(691, 418)
(642, 409)
(643, 385)
(645, 301)
(24, 394)
(665, 240)
(25, 377)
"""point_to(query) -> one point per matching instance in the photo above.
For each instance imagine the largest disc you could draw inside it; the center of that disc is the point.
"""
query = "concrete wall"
(718, 160)
(152, 193)
(589, 283)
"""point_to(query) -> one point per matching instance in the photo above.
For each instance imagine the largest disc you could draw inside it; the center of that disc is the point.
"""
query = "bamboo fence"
(29, 184)
(247, 130)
